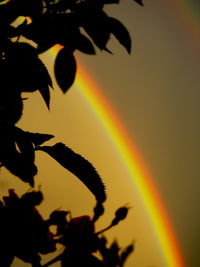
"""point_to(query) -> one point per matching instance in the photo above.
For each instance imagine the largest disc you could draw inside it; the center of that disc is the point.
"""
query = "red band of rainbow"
(130, 157)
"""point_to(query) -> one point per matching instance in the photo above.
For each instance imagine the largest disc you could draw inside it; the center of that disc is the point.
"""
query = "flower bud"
(120, 215)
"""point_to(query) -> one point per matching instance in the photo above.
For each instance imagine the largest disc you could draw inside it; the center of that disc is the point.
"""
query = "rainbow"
(130, 157)
(141, 177)
(126, 149)
(132, 160)
(188, 16)
(190, 12)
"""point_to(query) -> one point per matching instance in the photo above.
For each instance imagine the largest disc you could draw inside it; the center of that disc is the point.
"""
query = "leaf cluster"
(47, 23)
(27, 29)
(73, 24)
(17, 154)
(26, 235)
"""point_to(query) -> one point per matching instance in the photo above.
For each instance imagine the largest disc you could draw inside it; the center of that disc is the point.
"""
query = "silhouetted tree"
(27, 29)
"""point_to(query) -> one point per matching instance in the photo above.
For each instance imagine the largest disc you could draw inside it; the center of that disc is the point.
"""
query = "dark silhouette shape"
(75, 25)
(24, 233)
(79, 166)
(65, 61)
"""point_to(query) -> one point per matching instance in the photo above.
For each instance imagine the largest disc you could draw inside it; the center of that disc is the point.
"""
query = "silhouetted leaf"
(97, 27)
(65, 69)
(32, 199)
(45, 82)
(31, 8)
(8, 12)
(90, 6)
(58, 217)
(139, 2)
(45, 92)
(84, 45)
(5, 258)
(42, 32)
(44, 45)
(79, 166)
(125, 253)
(23, 231)
(11, 10)
(12, 31)
(60, 6)
(17, 154)
(121, 33)
(27, 71)
(38, 138)
(11, 104)
(51, 29)
(24, 144)
(114, 247)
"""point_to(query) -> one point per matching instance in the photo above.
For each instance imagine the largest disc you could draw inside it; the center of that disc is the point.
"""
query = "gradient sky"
(155, 91)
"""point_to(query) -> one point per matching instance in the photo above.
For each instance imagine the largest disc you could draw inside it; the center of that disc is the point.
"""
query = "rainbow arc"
(135, 166)
(132, 160)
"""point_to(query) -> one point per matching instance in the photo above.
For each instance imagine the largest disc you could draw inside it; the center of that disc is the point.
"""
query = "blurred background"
(155, 92)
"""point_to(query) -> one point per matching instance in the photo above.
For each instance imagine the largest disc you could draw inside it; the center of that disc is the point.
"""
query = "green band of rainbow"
(140, 177)
(188, 16)
(132, 160)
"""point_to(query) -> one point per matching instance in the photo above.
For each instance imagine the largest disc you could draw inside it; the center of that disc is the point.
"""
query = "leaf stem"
(105, 229)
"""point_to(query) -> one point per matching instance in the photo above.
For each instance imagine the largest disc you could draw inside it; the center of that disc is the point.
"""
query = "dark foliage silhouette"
(27, 29)
(24, 233)
(77, 165)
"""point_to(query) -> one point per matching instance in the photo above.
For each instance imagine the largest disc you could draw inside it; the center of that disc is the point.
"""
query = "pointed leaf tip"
(18, 155)
(38, 139)
(45, 93)
(139, 2)
(85, 45)
(121, 33)
(45, 83)
(65, 69)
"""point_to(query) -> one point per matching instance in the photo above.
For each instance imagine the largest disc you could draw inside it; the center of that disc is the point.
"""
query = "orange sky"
(155, 91)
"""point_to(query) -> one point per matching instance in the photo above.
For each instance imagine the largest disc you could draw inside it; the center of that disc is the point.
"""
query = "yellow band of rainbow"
(130, 157)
